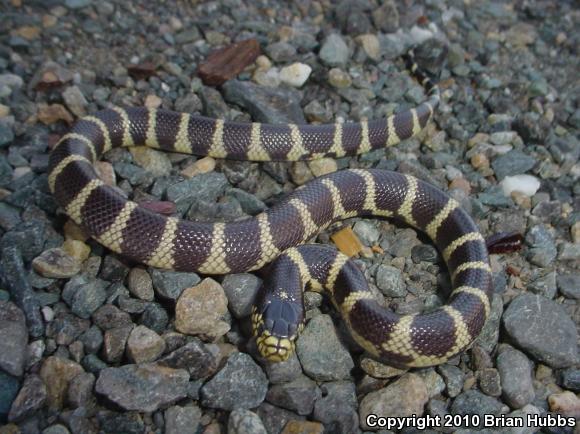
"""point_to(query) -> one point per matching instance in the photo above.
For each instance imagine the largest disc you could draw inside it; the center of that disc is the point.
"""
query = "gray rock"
(170, 284)
(298, 395)
(92, 340)
(13, 338)
(193, 356)
(66, 327)
(529, 426)
(144, 388)
(182, 420)
(75, 100)
(390, 281)
(113, 270)
(515, 371)
(6, 134)
(334, 51)
(109, 316)
(56, 429)
(453, 377)
(367, 232)
(265, 104)
(205, 187)
(424, 252)
(283, 372)
(155, 317)
(571, 379)
(12, 266)
(569, 252)
(543, 329)
(434, 383)
(489, 381)
(321, 353)
(404, 397)
(84, 295)
(275, 418)
(140, 284)
(336, 409)
(475, 402)
(250, 204)
(512, 163)
(114, 342)
(490, 333)
(80, 390)
(77, 4)
(120, 423)
(280, 51)
(239, 384)
(542, 250)
(243, 421)
(30, 399)
(569, 285)
(241, 291)
(9, 386)
(545, 285)
(386, 17)
(9, 216)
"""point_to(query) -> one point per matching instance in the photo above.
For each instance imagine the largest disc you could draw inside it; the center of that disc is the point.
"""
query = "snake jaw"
(275, 344)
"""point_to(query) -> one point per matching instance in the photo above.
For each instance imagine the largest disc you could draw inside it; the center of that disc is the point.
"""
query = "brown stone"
(199, 310)
(49, 114)
(144, 345)
(56, 263)
(57, 373)
(303, 427)
(142, 71)
(228, 62)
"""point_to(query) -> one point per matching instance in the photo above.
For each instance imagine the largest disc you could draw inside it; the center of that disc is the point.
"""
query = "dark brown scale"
(427, 204)
(285, 217)
(71, 181)
(424, 114)
(67, 148)
(114, 124)
(276, 141)
(403, 123)
(237, 138)
(200, 132)
(469, 251)
(351, 137)
(166, 128)
(474, 277)
(101, 209)
(433, 333)
(243, 245)
(319, 202)
(390, 189)
(472, 311)
(92, 132)
(378, 133)
(138, 124)
(317, 139)
(350, 186)
(193, 242)
(454, 226)
(142, 234)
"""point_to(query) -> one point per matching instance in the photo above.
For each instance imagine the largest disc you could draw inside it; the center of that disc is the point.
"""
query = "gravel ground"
(90, 343)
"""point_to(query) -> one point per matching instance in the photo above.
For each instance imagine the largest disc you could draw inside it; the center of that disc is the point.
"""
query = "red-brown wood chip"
(228, 62)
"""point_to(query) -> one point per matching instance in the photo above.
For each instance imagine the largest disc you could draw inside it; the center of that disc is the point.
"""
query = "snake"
(278, 237)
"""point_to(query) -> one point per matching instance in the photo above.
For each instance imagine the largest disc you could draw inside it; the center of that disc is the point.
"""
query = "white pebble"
(47, 313)
(525, 184)
(295, 74)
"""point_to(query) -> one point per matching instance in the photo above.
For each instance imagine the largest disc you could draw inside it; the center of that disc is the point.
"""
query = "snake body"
(220, 248)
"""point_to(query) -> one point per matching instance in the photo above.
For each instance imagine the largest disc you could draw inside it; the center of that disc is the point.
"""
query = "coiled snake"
(219, 248)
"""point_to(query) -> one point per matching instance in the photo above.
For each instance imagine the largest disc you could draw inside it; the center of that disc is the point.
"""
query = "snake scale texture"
(279, 233)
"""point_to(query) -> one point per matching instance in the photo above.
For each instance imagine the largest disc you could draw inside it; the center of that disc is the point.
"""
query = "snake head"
(276, 324)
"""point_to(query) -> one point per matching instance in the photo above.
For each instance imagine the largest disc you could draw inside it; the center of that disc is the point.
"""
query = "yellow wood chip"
(347, 241)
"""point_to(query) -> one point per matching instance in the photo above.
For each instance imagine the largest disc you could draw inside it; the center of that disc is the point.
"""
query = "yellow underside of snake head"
(272, 348)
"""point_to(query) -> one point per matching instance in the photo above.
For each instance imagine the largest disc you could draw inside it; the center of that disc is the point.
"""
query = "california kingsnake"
(219, 248)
